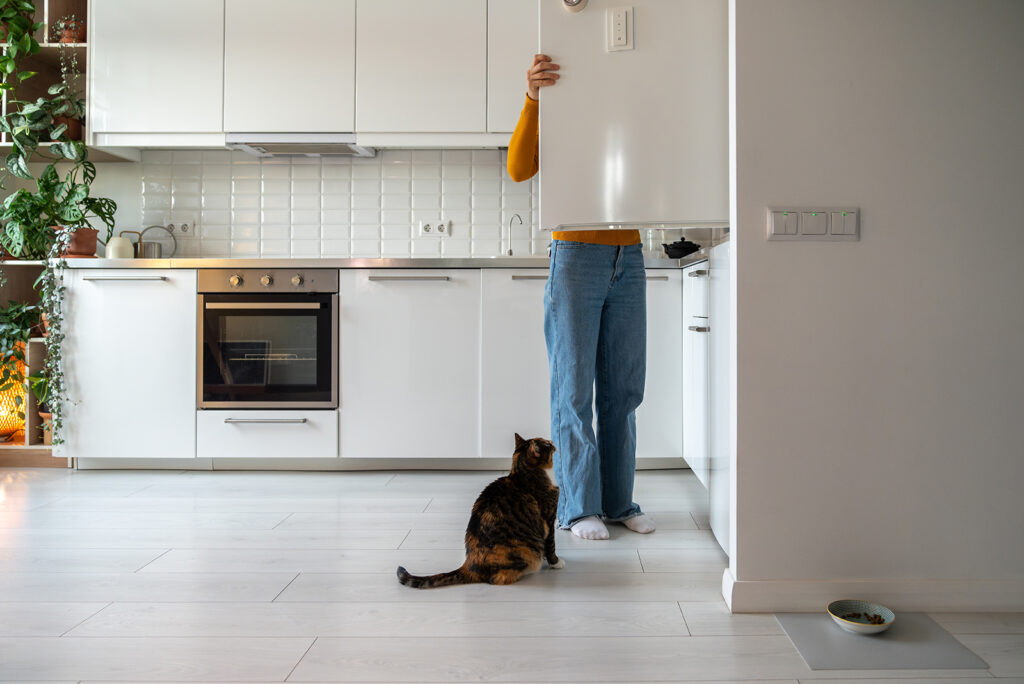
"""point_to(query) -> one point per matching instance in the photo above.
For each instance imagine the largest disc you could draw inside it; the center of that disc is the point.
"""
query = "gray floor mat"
(914, 642)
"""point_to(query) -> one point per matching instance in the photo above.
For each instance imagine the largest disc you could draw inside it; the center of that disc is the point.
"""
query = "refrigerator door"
(635, 137)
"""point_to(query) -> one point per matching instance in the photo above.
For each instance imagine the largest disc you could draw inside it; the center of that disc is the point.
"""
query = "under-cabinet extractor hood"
(298, 144)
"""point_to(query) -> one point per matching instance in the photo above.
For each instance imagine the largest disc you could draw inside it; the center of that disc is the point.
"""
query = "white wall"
(880, 383)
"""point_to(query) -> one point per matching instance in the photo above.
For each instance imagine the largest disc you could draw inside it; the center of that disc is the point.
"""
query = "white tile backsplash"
(337, 207)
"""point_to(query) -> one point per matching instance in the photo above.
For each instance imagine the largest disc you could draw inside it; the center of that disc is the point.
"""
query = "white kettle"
(120, 248)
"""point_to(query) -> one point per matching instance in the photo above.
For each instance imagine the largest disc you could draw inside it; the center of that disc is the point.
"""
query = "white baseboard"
(930, 595)
(333, 464)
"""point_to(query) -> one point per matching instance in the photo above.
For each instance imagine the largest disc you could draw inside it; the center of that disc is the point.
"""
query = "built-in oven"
(268, 339)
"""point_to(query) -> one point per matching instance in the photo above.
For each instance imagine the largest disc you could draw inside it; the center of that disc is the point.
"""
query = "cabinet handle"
(410, 278)
(263, 305)
(275, 421)
(699, 273)
(662, 277)
(529, 277)
(699, 328)
(152, 277)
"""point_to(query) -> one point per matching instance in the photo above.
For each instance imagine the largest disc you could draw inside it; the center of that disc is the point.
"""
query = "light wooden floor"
(270, 577)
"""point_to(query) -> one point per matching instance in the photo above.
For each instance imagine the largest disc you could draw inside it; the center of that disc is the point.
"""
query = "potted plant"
(41, 389)
(68, 29)
(17, 29)
(67, 106)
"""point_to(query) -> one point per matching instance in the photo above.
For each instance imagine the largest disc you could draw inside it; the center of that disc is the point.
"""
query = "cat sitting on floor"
(512, 526)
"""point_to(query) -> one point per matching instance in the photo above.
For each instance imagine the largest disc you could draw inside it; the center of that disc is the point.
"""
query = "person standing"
(595, 325)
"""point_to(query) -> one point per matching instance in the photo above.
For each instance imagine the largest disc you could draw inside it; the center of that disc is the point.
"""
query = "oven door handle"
(263, 305)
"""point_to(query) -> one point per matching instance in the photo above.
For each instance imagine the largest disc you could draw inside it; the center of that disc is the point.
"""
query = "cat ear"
(519, 441)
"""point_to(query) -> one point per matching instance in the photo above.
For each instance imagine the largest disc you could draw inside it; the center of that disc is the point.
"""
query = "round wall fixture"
(574, 5)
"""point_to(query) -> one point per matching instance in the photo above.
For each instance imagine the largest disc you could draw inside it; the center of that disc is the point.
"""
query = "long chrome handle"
(529, 277)
(699, 328)
(275, 421)
(152, 277)
(657, 277)
(263, 305)
(410, 278)
(699, 273)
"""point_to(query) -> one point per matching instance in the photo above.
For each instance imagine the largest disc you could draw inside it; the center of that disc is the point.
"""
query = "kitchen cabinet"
(156, 69)
(514, 393)
(410, 363)
(511, 44)
(267, 434)
(308, 87)
(659, 432)
(130, 363)
(720, 385)
(421, 66)
(695, 369)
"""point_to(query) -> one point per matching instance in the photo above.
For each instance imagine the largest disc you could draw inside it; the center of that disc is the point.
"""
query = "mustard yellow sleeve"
(522, 148)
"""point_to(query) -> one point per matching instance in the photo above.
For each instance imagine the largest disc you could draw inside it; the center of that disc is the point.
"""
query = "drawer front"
(267, 434)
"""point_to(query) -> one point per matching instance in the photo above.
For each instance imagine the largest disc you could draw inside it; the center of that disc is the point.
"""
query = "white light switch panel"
(620, 29)
(813, 223)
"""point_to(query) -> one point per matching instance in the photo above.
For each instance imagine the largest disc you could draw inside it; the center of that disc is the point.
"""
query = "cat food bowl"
(861, 617)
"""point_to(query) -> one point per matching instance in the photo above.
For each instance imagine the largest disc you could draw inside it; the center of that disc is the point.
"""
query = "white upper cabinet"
(156, 68)
(130, 363)
(293, 76)
(659, 432)
(511, 45)
(421, 66)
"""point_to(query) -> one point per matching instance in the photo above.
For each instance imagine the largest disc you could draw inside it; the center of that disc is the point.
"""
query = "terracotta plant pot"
(43, 324)
(47, 428)
(75, 33)
(83, 243)
(74, 131)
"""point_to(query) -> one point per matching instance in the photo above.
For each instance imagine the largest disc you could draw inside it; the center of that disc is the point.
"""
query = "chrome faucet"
(514, 217)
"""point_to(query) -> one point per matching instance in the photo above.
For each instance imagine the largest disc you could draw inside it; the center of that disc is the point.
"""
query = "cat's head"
(532, 453)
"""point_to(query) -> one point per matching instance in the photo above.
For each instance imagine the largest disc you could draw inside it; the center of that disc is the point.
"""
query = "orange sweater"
(523, 163)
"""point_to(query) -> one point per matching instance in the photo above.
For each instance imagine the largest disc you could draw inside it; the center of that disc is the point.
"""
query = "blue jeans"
(595, 324)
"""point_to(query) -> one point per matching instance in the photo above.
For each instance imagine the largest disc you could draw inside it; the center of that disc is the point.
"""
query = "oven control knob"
(296, 280)
(235, 280)
(267, 280)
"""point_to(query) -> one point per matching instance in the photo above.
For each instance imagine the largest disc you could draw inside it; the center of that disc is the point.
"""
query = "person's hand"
(540, 74)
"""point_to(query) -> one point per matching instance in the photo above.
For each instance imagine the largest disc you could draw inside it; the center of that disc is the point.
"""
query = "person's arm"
(522, 148)
(523, 160)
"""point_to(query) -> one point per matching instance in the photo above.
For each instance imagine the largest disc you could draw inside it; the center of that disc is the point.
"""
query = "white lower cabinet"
(130, 363)
(720, 386)
(266, 434)
(695, 369)
(410, 363)
(658, 428)
(514, 395)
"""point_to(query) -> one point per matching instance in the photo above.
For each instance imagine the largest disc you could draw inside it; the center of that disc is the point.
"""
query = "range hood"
(298, 144)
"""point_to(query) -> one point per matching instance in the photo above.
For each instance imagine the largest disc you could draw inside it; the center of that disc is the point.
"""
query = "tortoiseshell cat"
(512, 527)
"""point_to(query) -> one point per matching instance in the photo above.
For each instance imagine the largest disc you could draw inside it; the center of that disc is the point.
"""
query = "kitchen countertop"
(478, 262)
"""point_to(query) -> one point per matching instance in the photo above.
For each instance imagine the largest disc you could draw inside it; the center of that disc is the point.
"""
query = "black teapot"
(680, 248)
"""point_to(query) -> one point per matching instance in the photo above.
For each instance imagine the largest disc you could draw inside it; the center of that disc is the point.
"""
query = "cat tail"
(441, 579)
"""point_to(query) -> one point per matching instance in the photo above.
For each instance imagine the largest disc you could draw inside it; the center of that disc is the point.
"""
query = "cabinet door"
(410, 355)
(421, 66)
(511, 45)
(307, 87)
(720, 391)
(658, 424)
(695, 370)
(156, 67)
(130, 363)
(515, 394)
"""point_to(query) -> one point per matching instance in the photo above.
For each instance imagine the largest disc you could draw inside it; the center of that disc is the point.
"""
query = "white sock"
(590, 528)
(640, 523)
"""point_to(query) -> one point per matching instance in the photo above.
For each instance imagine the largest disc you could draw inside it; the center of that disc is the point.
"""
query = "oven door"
(268, 351)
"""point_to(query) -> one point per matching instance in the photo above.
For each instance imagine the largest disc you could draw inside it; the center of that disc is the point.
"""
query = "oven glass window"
(264, 350)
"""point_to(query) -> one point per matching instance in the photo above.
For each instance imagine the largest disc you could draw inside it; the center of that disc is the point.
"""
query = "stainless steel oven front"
(268, 339)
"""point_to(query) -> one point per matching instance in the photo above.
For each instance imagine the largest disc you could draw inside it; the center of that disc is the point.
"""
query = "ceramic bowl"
(854, 616)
